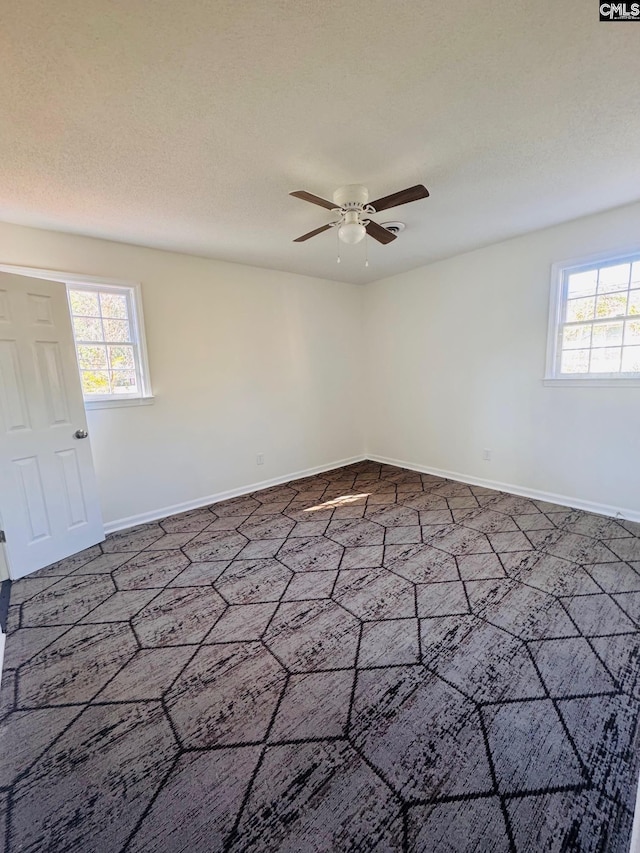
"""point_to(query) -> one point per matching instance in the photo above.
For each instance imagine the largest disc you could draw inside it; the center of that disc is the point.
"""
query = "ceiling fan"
(352, 208)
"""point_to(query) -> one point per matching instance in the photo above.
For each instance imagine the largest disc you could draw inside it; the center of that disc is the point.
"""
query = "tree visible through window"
(104, 327)
(598, 320)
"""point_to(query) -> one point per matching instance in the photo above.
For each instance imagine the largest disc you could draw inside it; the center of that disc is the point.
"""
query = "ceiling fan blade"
(311, 234)
(402, 197)
(379, 233)
(314, 199)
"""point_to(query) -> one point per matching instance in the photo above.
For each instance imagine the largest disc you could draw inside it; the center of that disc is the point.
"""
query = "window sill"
(590, 382)
(90, 405)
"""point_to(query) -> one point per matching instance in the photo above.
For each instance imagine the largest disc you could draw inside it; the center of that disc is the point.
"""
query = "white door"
(49, 504)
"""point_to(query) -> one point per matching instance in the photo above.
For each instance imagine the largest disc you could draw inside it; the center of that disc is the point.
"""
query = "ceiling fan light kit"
(351, 206)
(352, 229)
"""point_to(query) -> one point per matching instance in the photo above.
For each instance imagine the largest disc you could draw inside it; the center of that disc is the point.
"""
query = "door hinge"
(3, 538)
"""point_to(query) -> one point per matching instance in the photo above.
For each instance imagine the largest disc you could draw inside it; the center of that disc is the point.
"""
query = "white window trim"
(551, 377)
(66, 278)
(132, 294)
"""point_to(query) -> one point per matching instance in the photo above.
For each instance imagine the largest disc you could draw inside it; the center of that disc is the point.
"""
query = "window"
(108, 342)
(594, 331)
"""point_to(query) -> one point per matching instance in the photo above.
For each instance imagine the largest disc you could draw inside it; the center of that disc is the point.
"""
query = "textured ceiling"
(183, 125)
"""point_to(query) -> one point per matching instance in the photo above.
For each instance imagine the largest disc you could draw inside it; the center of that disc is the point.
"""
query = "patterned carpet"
(370, 659)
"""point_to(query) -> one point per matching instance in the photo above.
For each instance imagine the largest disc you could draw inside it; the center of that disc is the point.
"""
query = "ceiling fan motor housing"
(354, 196)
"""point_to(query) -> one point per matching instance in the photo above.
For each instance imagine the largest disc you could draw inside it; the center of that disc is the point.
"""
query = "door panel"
(5, 316)
(73, 494)
(40, 310)
(14, 407)
(48, 495)
(36, 519)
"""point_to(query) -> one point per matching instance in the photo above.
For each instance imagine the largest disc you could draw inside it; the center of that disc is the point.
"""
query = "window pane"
(124, 382)
(114, 305)
(84, 303)
(599, 326)
(95, 382)
(607, 335)
(116, 330)
(107, 341)
(576, 337)
(632, 332)
(575, 361)
(614, 278)
(582, 284)
(85, 329)
(92, 358)
(631, 360)
(580, 309)
(606, 360)
(613, 305)
(121, 357)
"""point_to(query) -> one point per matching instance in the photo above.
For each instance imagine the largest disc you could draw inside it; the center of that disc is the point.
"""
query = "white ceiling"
(184, 125)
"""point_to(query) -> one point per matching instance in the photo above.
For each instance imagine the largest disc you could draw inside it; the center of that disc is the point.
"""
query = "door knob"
(80, 433)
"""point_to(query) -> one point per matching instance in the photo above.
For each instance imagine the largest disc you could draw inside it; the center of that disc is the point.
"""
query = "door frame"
(64, 277)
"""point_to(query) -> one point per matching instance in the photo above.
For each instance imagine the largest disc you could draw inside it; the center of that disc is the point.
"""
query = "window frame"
(97, 283)
(132, 298)
(560, 272)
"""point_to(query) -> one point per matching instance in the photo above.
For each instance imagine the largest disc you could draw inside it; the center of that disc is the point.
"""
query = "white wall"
(243, 360)
(456, 356)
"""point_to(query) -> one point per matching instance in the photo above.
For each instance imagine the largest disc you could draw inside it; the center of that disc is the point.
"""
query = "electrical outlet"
(260, 459)
(486, 455)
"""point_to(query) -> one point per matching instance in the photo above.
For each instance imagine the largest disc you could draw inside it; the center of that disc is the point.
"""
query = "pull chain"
(338, 239)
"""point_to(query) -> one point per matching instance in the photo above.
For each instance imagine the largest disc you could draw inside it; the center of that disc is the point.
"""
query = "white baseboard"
(2, 639)
(522, 491)
(634, 847)
(163, 512)
(536, 494)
